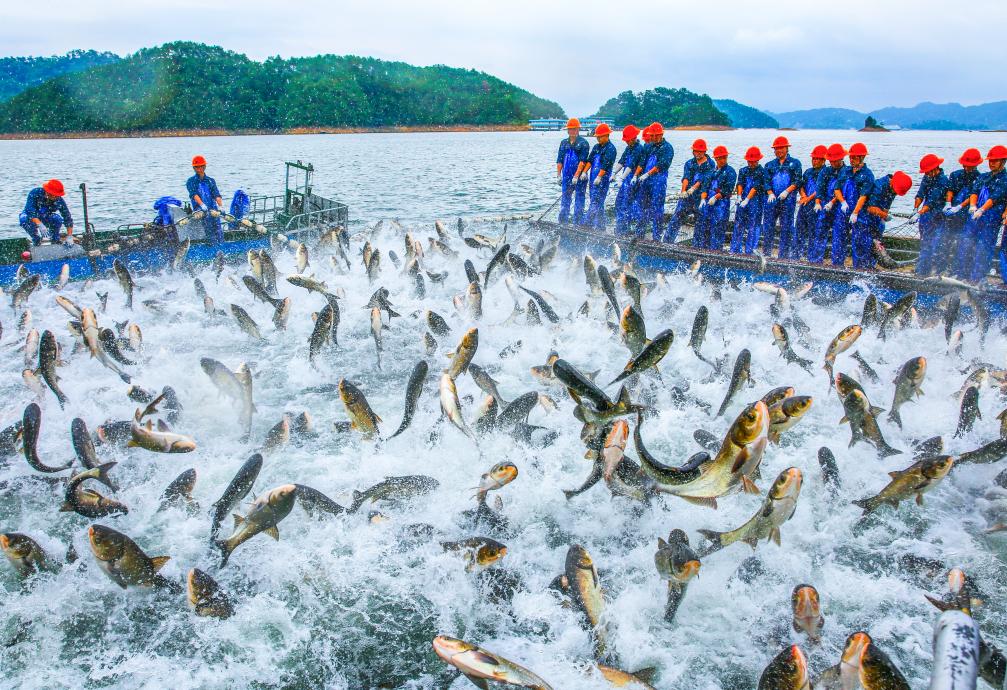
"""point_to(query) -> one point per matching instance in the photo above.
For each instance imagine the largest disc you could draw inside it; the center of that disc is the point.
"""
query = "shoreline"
(164, 133)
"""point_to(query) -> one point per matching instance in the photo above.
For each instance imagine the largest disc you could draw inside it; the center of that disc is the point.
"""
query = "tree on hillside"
(871, 123)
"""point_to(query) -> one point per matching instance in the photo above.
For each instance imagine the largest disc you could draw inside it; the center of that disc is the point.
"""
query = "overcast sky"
(777, 56)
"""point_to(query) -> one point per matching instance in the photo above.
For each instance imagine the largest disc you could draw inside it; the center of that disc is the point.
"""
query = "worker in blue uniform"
(751, 188)
(571, 164)
(867, 221)
(854, 186)
(825, 203)
(928, 205)
(626, 209)
(715, 203)
(652, 177)
(45, 209)
(987, 206)
(697, 170)
(783, 176)
(601, 160)
(960, 183)
(804, 225)
(205, 197)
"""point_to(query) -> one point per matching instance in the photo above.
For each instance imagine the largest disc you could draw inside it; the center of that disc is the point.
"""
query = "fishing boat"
(289, 217)
(831, 282)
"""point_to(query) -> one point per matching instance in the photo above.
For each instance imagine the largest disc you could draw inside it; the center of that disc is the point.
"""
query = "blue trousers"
(572, 192)
(711, 226)
(214, 229)
(976, 246)
(596, 211)
(804, 230)
(931, 236)
(685, 205)
(823, 234)
(863, 233)
(52, 223)
(747, 227)
(627, 208)
(945, 261)
(654, 189)
(841, 237)
(781, 212)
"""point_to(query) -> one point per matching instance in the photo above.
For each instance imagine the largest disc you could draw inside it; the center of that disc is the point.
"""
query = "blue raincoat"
(163, 206)
(602, 158)
(54, 214)
(780, 176)
(695, 173)
(240, 204)
(207, 190)
(852, 185)
(654, 188)
(711, 228)
(932, 194)
(804, 228)
(748, 220)
(960, 184)
(979, 238)
(870, 227)
(627, 208)
(571, 156)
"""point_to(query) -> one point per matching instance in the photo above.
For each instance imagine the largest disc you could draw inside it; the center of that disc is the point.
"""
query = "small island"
(872, 125)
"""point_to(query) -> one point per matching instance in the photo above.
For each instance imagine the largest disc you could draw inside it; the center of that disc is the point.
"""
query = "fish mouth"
(856, 646)
(5, 542)
(447, 647)
(807, 609)
(688, 571)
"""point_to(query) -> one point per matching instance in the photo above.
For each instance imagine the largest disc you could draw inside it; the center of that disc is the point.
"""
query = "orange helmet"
(997, 153)
(54, 187)
(819, 152)
(901, 183)
(198, 160)
(629, 133)
(573, 123)
(602, 130)
(699, 145)
(971, 158)
(720, 152)
(780, 142)
(657, 129)
(836, 152)
(930, 162)
(858, 149)
(753, 154)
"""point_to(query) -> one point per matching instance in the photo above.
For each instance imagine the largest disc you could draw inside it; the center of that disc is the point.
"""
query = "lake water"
(348, 602)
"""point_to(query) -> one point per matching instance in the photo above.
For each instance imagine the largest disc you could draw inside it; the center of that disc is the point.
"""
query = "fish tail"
(893, 416)
(869, 505)
(676, 593)
(358, 500)
(225, 553)
(885, 450)
(715, 539)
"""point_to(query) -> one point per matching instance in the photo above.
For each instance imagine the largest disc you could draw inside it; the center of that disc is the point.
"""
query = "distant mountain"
(670, 107)
(185, 86)
(745, 116)
(822, 118)
(20, 73)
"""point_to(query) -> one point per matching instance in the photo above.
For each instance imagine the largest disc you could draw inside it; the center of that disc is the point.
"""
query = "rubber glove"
(818, 206)
(644, 176)
(617, 169)
(203, 208)
(784, 194)
(771, 198)
(689, 191)
(597, 181)
(635, 180)
(828, 206)
(702, 203)
(744, 203)
(712, 201)
(977, 214)
(853, 218)
(950, 210)
(844, 207)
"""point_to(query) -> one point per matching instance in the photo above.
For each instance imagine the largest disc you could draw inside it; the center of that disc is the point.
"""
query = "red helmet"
(657, 129)
(930, 162)
(629, 133)
(753, 154)
(54, 187)
(720, 152)
(835, 152)
(780, 142)
(573, 123)
(198, 160)
(901, 183)
(858, 149)
(819, 152)
(699, 145)
(997, 153)
(971, 158)
(602, 130)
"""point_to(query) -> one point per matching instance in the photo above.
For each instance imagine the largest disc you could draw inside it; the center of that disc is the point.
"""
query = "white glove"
(950, 210)
(771, 198)
(635, 180)
(702, 203)
(584, 176)
(744, 203)
(784, 194)
(597, 181)
(203, 208)
(818, 207)
(617, 169)
(853, 218)
(977, 214)
(689, 191)
(828, 206)
(644, 176)
(844, 207)
(712, 201)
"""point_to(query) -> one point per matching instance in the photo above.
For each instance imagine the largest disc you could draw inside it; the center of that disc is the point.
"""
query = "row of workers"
(45, 210)
(959, 215)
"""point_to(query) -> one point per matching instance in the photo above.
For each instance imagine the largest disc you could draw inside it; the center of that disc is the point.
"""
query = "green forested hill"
(20, 73)
(183, 86)
(670, 107)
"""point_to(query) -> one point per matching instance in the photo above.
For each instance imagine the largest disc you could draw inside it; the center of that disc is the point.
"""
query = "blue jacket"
(193, 184)
(663, 154)
(752, 178)
(725, 180)
(960, 183)
(630, 157)
(698, 172)
(580, 147)
(992, 186)
(606, 153)
(809, 182)
(827, 177)
(791, 174)
(863, 181)
(39, 206)
(881, 195)
(933, 191)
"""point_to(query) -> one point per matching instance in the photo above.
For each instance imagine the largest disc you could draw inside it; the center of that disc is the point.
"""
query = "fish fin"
(157, 562)
(749, 486)
(774, 436)
(700, 501)
(919, 499)
(875, 411)
(844, 420)
(775, 535)
(739, 462)
(149, 425)
(751, 540)
(273, 532)
(894, 474)
(163, 425)
(238, 519)
(131, 443)
(661, 543)
(938, 603)
(480, 683)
